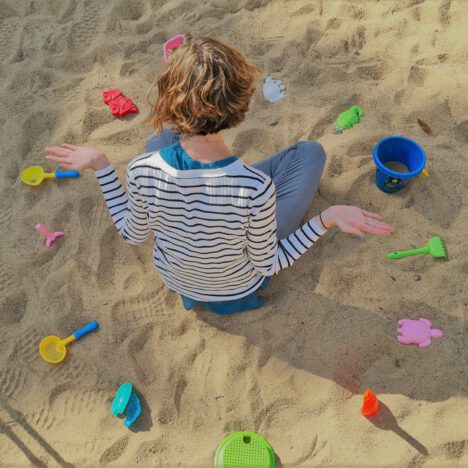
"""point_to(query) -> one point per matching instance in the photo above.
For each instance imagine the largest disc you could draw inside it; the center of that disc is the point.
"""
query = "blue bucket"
(397, 149)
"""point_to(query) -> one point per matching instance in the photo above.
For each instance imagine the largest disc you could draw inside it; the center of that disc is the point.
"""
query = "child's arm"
(270, 255)
(128, 210)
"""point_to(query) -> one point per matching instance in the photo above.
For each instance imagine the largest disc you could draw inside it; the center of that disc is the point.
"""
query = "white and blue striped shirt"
(214, 229)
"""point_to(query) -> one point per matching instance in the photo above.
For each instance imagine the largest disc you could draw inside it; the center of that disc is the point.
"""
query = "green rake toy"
(244, 450)
(435, 247)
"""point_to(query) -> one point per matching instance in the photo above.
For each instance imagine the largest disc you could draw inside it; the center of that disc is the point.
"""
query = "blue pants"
(296, 173)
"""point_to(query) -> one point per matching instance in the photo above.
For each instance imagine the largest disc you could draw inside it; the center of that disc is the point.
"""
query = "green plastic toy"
(435, 247)
(244, 450)
(348, 119)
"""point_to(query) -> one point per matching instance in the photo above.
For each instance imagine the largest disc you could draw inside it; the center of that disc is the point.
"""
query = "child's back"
(220, 226)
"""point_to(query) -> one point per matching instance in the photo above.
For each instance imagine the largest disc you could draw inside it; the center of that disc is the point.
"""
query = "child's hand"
(353, 220)
(77, 157)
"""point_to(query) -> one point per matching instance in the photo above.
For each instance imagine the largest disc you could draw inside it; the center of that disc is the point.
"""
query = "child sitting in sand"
(221, 227)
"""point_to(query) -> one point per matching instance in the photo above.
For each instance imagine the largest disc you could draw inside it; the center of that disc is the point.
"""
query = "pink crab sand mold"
(50, 236)
(172, 43)
(418, 332)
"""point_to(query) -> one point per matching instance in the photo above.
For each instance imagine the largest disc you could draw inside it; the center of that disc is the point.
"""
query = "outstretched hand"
(77, 157)
(354, 220)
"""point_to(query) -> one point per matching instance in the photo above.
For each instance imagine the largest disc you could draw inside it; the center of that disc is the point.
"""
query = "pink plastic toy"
(418, 332)
(50, 236)
(172, 43)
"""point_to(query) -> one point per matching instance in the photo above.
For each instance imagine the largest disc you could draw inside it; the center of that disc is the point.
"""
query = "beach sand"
(293, 371)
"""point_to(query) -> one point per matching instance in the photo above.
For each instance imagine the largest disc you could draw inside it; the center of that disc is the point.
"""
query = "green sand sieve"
(244, 450)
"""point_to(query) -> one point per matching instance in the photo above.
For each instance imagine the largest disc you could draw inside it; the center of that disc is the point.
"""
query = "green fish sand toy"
(348, 119)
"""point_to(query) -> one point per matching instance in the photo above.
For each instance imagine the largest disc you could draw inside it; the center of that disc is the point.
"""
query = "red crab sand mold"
(118, 103)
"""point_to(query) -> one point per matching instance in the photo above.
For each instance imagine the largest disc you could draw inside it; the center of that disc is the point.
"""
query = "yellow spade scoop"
(53, 349)
(34, 175)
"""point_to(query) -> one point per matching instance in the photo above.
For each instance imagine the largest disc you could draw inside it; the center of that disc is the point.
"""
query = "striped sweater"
(214, 229)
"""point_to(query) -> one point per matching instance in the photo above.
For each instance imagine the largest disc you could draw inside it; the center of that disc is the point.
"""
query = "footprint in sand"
(13, 308)
(115, 451)
(125, 11)
(456, 449)
(95, 118)
(444, 13)
(335, 167)
(109, 245)
(12, 382)
(8, 30)
(180, 387)
(7, 285)
(270, 414)
(141, 349)
(450, 452)
(85, 30)
(417, 76)
(461, 132)
(149, 451)
(129, 69)
(146, 307)
(436, 193)
(28, 349)
(259, 141)
(38, 130)
(99, 256)
(356, 41)
(66, 404)
(75, 371)
(41, 417)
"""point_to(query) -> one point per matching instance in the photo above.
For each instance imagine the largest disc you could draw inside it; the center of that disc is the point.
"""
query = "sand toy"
(170, 44)
(50, 236)
(120, 105)
(244, 449)
(53, 349)
(418, 332)
(126, 401)
(273, 90)
(435, 247)
(34, 175)
(370, 404)
(348, 119)
(398, 160)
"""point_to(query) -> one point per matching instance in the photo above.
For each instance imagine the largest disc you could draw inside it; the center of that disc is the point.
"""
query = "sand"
(295, 370)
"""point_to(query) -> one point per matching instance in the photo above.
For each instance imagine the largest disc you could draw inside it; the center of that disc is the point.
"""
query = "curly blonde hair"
(206, 88)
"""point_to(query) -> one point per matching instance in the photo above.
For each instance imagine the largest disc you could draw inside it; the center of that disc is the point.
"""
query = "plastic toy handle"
(67, 340)
(407, 253)
(85, 330)
(66, 174)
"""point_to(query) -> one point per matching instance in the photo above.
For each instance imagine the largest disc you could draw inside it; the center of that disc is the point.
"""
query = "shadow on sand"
(18, 419)
(354, 347)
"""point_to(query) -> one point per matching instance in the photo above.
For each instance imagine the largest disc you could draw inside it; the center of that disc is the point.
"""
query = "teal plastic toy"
(348, 119)
(244, 450)
(126, 401)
